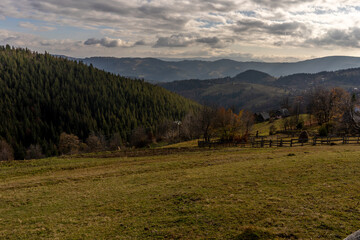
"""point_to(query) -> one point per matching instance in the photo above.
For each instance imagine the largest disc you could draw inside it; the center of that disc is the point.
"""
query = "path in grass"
(304, 193)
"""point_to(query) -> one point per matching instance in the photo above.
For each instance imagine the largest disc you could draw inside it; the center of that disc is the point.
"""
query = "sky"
(251, 30)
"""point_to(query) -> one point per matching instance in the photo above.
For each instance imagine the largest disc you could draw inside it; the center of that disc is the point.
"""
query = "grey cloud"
(209, 40)
(110, 8)
(337, 37)
(179, 40)
(280, 3)
(140, 43)
(215, 42)
(105, 42)
(112, 43)
(282, 28)
(113, 12)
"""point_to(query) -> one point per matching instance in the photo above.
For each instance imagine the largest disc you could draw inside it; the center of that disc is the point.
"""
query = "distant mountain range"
(258, 91)
(155, 70)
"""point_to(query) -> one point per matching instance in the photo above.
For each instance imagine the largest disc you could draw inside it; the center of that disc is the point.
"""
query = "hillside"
(152, 69)
(349, 78)
(251, 90)
(42, 96)
(258, 91)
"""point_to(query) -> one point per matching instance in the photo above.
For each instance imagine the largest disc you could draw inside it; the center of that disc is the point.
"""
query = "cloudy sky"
(266, 30)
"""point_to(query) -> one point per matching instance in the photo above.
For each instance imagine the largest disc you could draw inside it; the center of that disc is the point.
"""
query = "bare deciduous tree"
(327, 105)
(6, 151)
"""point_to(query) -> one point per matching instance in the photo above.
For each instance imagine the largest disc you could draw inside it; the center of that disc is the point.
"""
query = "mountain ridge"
(157, 70)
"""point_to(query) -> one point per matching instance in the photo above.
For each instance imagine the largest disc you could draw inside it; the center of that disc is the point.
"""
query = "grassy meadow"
(230, 193)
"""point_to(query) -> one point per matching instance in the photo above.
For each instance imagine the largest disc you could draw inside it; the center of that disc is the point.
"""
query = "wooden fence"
(284, 142)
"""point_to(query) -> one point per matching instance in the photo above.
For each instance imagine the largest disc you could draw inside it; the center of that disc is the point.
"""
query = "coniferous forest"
(43, 96)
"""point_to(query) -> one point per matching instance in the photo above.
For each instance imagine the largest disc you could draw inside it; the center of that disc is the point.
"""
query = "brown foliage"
(6, 151)
(68, 144)
(94, 144)
(140, 138)
(327, 105)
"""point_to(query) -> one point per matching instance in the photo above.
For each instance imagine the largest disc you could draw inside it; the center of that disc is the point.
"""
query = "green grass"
(191, 143)
(289, 193)
(264, 127)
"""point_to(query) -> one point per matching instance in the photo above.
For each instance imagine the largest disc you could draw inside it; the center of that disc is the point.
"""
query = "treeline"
(335, 110)
(43, 96)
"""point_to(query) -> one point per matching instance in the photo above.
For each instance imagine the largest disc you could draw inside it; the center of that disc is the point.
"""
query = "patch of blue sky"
(59, 31)
(344, 9)
(75, 33)
(208, 24)
(229, 21)
(247, 13)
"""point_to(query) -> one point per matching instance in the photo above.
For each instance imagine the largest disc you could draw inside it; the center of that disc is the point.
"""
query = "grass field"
(233, 193)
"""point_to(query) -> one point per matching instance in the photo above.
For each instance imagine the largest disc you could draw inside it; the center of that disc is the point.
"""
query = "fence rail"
(283, 142)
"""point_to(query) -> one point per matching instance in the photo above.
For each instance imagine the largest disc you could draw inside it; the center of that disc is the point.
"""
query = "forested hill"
(43, 96)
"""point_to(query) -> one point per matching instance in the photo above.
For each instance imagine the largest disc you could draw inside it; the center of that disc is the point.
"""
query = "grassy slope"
(219, 194)
(264, 127)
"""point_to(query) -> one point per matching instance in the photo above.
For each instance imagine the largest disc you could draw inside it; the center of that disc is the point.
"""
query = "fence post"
(291, 143)
(314, 141)
(270, 143)
(281, 142)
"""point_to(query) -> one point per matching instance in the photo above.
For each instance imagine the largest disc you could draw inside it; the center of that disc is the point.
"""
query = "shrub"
(140, 137)
(68, 144)
(6, 151)
(272, 130)
(34, 152)
(94, 144)
(323, 131)
(300, 125)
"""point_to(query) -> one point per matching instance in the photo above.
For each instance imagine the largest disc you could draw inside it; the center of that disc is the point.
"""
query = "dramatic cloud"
(335, 37)
(213, 28)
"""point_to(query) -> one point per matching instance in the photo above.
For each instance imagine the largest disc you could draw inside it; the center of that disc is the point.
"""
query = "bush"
(115, 142)
(34, 152)
(68, 144)
(300, 125)
(6, 151)
(272, 130)
(94, 144)
(140, 138)
(323, 131)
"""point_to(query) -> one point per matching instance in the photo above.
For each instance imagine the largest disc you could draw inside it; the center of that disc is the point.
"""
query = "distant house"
(262, 116)
(282, 113)
(356, 114)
